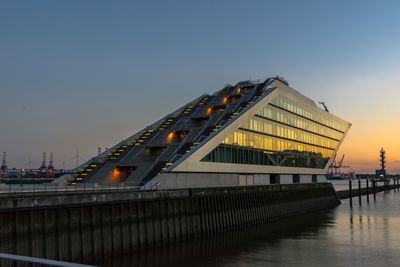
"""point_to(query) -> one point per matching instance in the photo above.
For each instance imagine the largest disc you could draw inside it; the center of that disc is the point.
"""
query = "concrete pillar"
(157, 222)
(171, 220)
(190, 213)
(63, 229)
(212, 212)
(106, 230)
(134, 224)
(164, 221)
(125, 227)
(22, 228)
(204, 216)
(142, 224)
(148, 215)
(116, 228)
(50, 239)
(177, 216)
(236, 208)
(97, 234)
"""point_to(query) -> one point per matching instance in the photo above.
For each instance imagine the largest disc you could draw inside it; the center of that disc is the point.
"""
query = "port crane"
(335, 169)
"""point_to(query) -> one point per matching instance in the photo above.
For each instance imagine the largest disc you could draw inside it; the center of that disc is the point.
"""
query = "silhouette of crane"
(335, 166)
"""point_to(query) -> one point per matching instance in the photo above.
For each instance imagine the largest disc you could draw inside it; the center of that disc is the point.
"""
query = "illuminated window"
(176, 136)
(287, 133)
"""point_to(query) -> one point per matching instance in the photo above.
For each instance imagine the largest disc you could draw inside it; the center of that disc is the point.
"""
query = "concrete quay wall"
(84, 227)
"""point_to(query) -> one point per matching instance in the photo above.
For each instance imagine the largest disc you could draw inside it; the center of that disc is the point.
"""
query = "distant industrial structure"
(43, 168)
(43, 171)
(335, 170)
(381, 173)
(4, 163)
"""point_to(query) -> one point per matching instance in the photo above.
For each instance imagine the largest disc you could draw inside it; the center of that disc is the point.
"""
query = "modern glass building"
(253, 133)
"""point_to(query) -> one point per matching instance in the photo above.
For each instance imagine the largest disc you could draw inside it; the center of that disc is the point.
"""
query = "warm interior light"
(170, 137)
(115, 175)
(225, 101)
(209, 110)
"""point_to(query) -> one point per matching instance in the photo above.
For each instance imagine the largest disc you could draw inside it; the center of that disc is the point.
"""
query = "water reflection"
(205, 251)
(365, 235)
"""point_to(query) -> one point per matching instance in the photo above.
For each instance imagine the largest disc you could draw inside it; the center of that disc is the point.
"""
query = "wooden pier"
(371, 188)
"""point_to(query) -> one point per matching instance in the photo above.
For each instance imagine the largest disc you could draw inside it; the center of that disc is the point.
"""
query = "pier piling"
(359, 191)
(374, 186)
(350, 193)
(367, 183)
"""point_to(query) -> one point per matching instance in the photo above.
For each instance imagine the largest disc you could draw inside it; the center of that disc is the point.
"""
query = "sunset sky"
(83, 74)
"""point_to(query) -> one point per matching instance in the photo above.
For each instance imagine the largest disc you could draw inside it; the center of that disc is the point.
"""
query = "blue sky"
(90, 73)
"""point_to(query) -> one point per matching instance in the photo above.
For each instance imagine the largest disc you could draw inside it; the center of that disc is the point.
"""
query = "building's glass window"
(245, 138)
(309, 111)
(261, 125)
(242, 155)
(274, 179)
(314, 178)
(284, 117)
(285, 133)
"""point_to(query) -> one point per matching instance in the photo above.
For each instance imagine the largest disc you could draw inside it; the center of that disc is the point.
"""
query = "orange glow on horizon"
(362, 144)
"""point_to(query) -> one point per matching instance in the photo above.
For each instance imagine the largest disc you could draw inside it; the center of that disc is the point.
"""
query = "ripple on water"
(366, 235)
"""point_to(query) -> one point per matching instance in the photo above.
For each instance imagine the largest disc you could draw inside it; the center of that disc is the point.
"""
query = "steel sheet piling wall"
(87, 231)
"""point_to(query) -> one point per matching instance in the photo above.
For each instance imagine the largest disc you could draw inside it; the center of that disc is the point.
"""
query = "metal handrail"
(138, 193)
(55, 188)
(18, 258)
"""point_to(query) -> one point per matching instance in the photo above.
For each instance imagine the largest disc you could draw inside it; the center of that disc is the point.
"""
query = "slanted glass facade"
(287, 132)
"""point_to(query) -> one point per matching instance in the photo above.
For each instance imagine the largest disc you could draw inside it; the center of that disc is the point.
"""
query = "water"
(344, 184)
(366, 235)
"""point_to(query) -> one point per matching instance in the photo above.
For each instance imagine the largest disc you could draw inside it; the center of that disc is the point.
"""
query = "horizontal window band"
(305, 118)
(233, 154)
(273, 151)
(287, 139)
(295, 127)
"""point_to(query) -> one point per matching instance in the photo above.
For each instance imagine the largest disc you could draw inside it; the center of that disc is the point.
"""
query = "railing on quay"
(54, 189)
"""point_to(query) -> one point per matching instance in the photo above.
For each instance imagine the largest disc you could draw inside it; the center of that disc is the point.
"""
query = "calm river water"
(366, 235)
